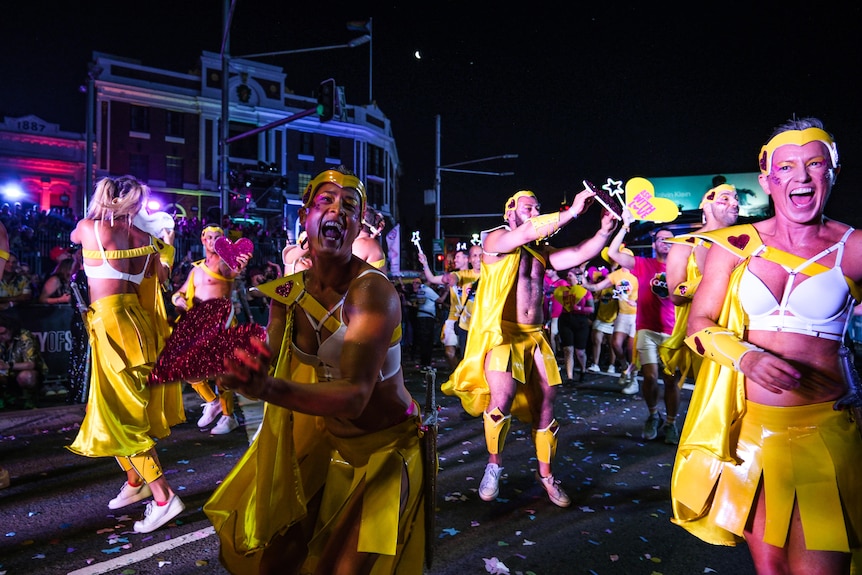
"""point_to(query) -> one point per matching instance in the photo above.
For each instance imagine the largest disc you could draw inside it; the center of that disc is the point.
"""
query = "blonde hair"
(117, 198)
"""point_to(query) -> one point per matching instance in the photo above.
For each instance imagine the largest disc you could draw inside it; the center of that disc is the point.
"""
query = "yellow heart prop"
(641, 200)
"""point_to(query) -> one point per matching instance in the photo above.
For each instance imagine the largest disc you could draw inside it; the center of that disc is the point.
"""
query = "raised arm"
(565, 258)
(625, 260)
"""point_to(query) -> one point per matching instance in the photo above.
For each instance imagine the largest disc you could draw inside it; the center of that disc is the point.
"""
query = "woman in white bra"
(769, 453)
(124, 413)
(336, 407)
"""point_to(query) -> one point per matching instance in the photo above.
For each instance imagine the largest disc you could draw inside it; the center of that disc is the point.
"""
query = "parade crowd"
(754, 316)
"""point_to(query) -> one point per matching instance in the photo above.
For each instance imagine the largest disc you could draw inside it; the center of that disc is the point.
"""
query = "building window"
(302, 183)
(139, 166)
(333, 147)
(140, 120)
(174, 171)
(174, 124)
(306, 144)
(376, 165)
(375, 193)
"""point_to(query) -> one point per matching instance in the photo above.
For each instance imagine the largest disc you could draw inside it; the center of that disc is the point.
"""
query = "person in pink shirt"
(654, 324)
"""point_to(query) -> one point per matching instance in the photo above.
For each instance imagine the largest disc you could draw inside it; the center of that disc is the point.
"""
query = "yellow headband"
(340, 180)
(211, 229)
(713, 194)
(512, 203)
(796, 138)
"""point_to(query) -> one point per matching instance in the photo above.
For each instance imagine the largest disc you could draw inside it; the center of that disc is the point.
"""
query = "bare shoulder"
(851, 262)
(372, 290)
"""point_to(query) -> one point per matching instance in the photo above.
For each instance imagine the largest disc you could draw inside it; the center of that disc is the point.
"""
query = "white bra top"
(820, 306)
(328, 355)
(106, 271)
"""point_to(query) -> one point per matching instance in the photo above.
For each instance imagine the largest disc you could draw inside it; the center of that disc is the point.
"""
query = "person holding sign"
(654, 324)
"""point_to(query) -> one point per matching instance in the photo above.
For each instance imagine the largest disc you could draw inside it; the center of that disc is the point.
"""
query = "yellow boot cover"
(226, 399)
(204, 390)
(546, 442)
(496, 429)
(146, 467)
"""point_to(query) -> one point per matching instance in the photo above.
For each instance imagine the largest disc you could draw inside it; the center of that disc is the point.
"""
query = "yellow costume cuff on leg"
(496, 429)
(146, 466)
(720, 345)
(204, 390)
(546, 225)
(545, 441)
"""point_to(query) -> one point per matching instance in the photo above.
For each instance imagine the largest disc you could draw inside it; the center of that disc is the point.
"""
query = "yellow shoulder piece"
(285, 289)
(741, 240)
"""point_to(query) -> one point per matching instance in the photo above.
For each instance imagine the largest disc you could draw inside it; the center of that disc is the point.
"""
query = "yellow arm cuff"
(720, 345)
(546, 225)
(4, 255)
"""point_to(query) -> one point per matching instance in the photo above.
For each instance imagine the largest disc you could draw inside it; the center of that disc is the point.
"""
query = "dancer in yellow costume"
(685, 260)
(766, 454)
(509, 366)
(124, 414)
(458, 282)
(333, 482)
(211, 278)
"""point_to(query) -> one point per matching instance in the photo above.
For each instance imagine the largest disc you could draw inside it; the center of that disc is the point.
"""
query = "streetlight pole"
(224, 127)
(93, 71)
(438, 170)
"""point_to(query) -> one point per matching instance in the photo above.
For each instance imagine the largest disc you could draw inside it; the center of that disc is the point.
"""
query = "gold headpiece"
(797, 138)
(340, 180)
(216, 229)
(512, 203)
(713, 194)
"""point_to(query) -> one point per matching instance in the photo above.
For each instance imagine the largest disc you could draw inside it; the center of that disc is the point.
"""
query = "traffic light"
(439, 263)
(326, 100)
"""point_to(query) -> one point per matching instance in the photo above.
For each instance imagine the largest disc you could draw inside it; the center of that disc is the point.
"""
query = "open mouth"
(331, 230)
(802, 197)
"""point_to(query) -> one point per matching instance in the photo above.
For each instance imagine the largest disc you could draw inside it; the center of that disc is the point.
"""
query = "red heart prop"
(200, 341)
(229, 251)
(739, 242)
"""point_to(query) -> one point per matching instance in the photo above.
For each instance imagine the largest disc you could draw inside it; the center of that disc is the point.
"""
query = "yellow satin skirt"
(515, 353)
(124, 413)
(810, 455)
(290, 460)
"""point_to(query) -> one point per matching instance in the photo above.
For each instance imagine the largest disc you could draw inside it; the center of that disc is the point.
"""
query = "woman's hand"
(769, 372)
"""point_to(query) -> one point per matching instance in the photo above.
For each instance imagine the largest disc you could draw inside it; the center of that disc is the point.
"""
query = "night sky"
(610, 89)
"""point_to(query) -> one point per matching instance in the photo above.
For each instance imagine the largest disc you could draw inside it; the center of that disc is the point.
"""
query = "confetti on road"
(495, 566)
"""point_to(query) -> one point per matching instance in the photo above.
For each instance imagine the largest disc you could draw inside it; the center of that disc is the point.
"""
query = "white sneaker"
(632, 387)
(226, 424)
(594, 368)
(489, 488)
(129, 495)
(211, 412)
(612, 370)
(157, 515)
(555, 493)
